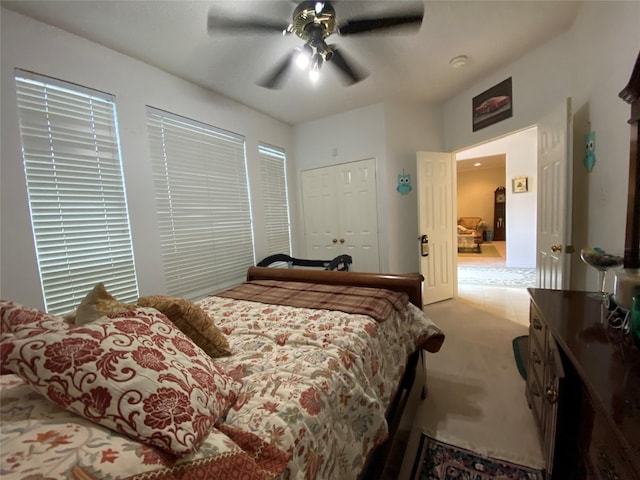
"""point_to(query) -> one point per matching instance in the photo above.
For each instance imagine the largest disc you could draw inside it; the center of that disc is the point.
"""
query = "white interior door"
(436, 220)
(341, 214)
(358, 214)
(320, 205)
(554, 197)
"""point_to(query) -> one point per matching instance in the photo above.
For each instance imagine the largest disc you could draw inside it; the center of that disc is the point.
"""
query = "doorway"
(498, 277)
(481, 210)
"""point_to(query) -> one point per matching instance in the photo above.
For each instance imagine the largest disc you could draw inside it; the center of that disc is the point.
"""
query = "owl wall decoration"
(589, 150)
(404, 183)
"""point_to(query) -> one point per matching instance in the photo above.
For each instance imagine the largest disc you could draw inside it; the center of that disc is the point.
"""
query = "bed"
(292, 392)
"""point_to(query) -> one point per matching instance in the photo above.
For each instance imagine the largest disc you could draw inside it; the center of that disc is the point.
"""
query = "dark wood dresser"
(583, 387)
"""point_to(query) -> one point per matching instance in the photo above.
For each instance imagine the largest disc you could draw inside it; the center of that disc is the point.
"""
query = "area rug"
(521, 353)
(496, 276)
(486, 250)
(440, 461)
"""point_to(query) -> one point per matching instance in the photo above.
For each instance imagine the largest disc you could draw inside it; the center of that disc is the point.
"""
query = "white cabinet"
(340, 213)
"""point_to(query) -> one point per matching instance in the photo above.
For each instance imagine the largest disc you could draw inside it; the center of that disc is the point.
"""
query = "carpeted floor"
(503, 276)
(475, 394)
(441, 461)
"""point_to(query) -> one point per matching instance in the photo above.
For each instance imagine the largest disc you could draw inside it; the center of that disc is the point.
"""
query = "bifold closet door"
(340, 213)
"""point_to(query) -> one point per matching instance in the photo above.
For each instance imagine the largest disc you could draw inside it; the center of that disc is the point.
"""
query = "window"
(275, 200)
(202, 197)
(76, 193)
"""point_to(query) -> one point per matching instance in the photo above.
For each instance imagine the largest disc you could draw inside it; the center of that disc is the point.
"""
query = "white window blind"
(275, 199)
(76, 193)
(202, 198)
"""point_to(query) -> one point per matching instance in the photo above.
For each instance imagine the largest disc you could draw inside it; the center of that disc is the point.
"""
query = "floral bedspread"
(42, 441)
(315, 385)
(316, 382)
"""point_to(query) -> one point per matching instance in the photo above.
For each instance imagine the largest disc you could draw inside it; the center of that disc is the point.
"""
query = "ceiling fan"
(314, 22)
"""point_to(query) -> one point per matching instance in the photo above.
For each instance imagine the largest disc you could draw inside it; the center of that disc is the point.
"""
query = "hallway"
(508, 302)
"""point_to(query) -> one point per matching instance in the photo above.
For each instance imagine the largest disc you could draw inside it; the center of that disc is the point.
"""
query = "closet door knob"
(335, 240)
(556, 248)
(342, 240)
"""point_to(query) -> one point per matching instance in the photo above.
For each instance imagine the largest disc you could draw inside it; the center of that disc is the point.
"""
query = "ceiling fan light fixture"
(313, 22)
(314, 72)
(303, 57)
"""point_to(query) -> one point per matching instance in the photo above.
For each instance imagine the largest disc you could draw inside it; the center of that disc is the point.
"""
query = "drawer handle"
(536, 358)
(536, 324)
(551, 393)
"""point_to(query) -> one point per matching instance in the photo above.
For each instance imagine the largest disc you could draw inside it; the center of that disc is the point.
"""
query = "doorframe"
(460, 150)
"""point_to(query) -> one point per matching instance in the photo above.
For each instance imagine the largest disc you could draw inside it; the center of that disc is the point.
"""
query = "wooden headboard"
(411, 284)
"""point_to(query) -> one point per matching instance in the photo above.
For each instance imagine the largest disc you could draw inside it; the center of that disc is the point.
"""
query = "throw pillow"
(192, 320)
(97, 303)
(24, 321)
(134, 373)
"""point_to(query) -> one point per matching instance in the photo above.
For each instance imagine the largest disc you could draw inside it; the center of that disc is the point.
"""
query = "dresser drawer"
(536, 359)
(537, 327)
(535, 396)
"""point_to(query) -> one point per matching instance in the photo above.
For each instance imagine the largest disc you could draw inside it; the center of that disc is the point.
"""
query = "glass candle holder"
(601, 261)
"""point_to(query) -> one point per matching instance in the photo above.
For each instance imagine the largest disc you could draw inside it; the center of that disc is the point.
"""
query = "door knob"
(556, 248)
(551, 393)
(335, 240)
(342, 240)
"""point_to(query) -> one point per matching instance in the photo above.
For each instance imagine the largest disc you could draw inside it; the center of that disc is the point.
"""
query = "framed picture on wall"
(492, 105)
(520, 184)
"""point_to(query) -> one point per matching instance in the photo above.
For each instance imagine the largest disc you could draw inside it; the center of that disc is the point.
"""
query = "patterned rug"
(486, 250)
(497, 276)
(440, 461)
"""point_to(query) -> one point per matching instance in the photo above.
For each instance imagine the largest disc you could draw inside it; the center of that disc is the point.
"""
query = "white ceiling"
(172, 35)
(491, 161)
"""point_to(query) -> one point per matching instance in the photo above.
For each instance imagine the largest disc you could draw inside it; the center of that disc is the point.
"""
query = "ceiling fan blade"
(349, 72)
(278, 74)
(216, 23)
(366, 25)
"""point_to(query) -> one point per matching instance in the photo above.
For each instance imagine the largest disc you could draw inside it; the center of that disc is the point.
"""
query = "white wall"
(476, 192)
(410, 127)
(591, 63)
(37, 47)
(391, 133)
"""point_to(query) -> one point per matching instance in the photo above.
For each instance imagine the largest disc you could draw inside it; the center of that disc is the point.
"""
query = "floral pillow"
(134, 373)
(24, 321)
(192, 321)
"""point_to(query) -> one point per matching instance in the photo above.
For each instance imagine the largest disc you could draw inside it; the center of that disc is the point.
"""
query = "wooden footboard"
(411, 284)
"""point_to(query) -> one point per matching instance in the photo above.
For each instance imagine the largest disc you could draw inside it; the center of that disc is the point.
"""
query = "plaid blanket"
(377, 303)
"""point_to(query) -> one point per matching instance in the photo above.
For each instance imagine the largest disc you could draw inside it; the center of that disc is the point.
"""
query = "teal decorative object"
(590, 150)
(404, 183)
